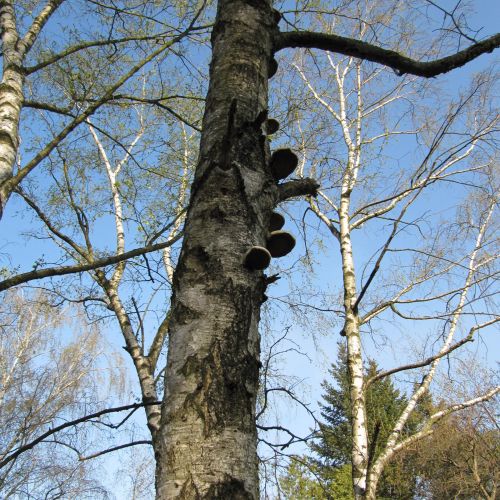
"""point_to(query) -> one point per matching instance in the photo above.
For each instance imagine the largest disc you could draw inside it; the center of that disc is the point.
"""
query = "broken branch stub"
(257, 258)
(283, 163)
(280, 243)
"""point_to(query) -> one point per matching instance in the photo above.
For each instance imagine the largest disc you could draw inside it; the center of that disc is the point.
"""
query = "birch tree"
(77, 87)
(365, 191)
(203, 434)
(44, 381)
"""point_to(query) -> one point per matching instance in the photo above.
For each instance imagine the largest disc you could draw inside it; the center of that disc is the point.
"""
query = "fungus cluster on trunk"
(278, 242)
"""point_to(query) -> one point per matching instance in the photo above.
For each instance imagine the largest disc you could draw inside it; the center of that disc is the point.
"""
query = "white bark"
(144, 365)
(352, 137)
(392, 442)
(14, 50)
(348, 220)
(11, 96)
(181, 199)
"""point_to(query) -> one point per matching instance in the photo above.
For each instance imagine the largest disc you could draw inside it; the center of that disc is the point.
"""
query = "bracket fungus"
(283, 163)
(272, 68)
(272, 126)
(277, 222)
(257, 258)
(280, 243)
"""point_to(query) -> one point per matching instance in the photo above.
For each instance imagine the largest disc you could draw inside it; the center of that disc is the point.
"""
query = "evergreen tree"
(384, 404)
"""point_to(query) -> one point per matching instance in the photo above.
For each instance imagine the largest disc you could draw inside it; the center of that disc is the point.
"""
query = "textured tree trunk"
(11, 98)
(208, 435)
(351, 324)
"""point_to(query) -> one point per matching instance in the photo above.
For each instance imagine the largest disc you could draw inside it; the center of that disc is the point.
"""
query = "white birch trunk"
(14, 50)
(144, 365)
(11, 98)
(208, 433)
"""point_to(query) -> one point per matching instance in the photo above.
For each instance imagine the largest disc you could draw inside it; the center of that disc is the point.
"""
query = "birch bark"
(11, 96)
(144, 364)
(208, 435)
(14, 48)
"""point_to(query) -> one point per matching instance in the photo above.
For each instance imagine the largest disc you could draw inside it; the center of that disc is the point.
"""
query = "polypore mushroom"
(277, 222)
(283, 163)
(272, 68)
(272, 126)
(280, 243)
(257, 258)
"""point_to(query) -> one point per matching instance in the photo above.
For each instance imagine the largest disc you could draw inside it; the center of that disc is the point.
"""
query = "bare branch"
(32, 34)
(78, 268)
(297, 187)
(114, 448)
(428, 361)
(87, 45)
(71, 423)
(436, 417)
(401, 64)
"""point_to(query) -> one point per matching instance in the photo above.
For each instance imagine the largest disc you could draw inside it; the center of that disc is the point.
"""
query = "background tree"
(100, 49)
(384, 404)
(331, 461)
(51, 369)
(367, 188)
(461, 459)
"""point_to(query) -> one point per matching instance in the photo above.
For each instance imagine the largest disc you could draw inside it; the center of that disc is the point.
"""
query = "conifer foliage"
(331, 465)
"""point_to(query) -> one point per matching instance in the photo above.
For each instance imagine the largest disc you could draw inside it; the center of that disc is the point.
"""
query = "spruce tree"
(384, 403)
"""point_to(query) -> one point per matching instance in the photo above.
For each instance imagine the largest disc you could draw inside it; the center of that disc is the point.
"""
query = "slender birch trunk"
(359, 425)
(355, 364)
(14, 48)
(208, 434)
(11, 97)
(144, 364)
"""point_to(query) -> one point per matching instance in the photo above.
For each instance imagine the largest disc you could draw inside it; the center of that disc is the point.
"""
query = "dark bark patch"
(229, 489)
(194, 261)
(191, 365)
(226, 378)
(260, 5)
(183, 314)
(218, 214)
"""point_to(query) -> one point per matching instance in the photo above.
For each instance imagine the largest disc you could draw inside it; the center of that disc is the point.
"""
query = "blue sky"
(320, 347)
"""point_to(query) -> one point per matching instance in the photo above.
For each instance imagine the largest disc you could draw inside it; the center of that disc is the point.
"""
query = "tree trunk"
(208, 435)
(11, 98)
(354, 355)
